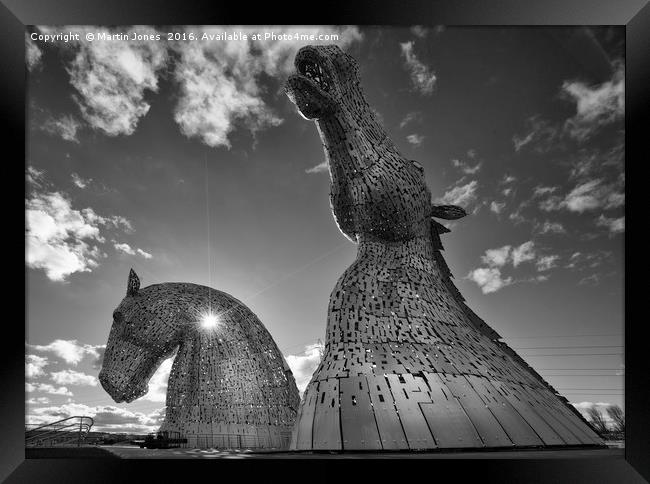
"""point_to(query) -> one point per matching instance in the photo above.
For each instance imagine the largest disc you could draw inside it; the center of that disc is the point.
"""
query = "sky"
(185, 160)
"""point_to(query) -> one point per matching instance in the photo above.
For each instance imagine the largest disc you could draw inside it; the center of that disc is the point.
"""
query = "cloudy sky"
(163, 155)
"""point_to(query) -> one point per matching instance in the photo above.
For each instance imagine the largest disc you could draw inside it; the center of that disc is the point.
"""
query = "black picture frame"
(16, 14)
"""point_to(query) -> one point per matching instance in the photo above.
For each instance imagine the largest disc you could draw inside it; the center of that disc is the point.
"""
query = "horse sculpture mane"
(407, 365)
(228, 377)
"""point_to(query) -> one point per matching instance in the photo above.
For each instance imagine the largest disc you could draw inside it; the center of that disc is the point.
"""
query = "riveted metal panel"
(408, 393)
(357, 415)
(488, 428)
(447, 420)
(533, 400)
(545, 432)
(388, 422)
(327, 425)
(305, 422)
(569, 420)
(514, 424)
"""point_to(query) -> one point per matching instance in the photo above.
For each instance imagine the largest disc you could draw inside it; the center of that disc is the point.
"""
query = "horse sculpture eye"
(117, 317)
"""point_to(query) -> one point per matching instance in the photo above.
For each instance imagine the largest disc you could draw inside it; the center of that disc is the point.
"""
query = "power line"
(593, 394)
(580, 354)
(578, 374)
(580, 391)
(587, 369)
(562, 336)
(589, 389)
(563, 347)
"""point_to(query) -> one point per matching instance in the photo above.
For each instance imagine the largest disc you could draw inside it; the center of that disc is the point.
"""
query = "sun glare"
(209, 321)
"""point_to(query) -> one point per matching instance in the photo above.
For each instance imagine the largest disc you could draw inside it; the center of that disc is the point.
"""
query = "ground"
(132, 452)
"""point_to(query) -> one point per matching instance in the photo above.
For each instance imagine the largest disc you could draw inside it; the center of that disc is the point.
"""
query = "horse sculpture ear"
(133, 285)
(447, 212)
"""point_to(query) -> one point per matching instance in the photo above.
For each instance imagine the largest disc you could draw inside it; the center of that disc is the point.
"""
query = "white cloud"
(62, 240)
(497, 207)
(540, 135)
(585, 163)
(591, 260)
(415, 139)
(575, 257)
(66, 127)
(589, 195)
(116, 221)
(413, 116)
(507, 179)
(99, 359)
(71, 377)
(615, 225)
(58, 237)
(585, 405)
(552, 227)
(304, 364)
(144, 254)
(47, 388)
(544, 263)
(539, 190)
(320, 168)
(220, 81)
(111, 78)
(71, 351)
(422, 77)
(80, 182)
(583, 197)
(34, 365)
(123, 247)
(465, 167)
(158, 383)
(37, 401)
(489, 279)
(591, 280)
(127, 249)
(33, 54)
(460, 195)
(525, 252)
(497, 257)
(516, 217)
(35, 176)
(596, 106)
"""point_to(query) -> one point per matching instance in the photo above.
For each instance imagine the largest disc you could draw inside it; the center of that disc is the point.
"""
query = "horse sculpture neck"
(358, 129)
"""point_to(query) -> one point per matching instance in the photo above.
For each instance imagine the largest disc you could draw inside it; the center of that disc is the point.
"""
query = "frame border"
(15, 15)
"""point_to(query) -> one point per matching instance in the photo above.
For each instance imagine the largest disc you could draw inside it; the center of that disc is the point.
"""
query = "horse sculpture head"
(325, 78)
(228, 375)
(376, 193)
(144, 333)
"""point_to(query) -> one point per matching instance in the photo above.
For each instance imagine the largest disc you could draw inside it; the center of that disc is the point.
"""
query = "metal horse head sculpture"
(407, 365)
(228, 376)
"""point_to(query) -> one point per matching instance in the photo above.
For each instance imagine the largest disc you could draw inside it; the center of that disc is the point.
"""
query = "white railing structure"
(69, 431)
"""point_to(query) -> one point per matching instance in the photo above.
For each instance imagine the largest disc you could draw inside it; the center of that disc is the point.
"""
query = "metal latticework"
(407, 365)
(228, 375)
